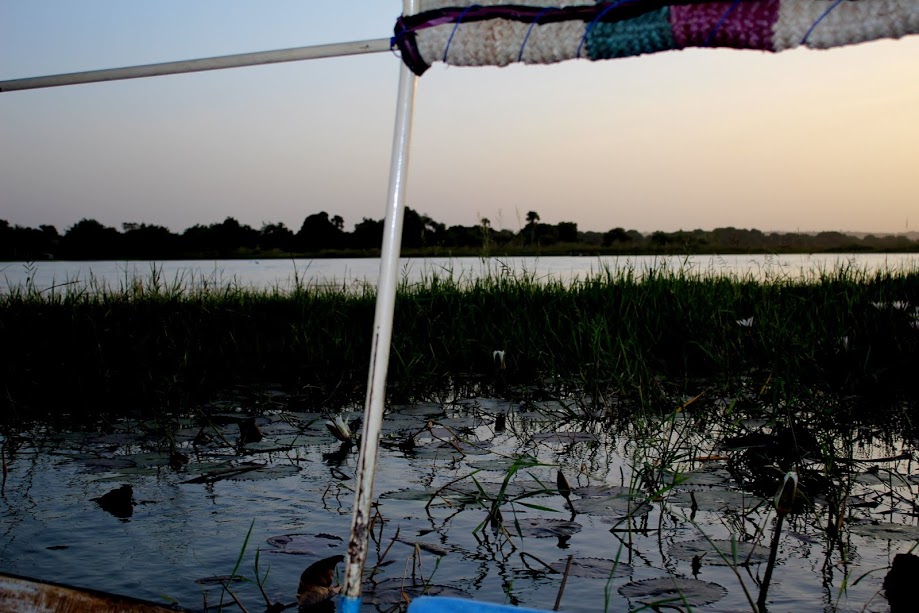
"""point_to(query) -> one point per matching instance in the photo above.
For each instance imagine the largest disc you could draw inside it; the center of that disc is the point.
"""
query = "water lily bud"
(339, 429)
(785, 499)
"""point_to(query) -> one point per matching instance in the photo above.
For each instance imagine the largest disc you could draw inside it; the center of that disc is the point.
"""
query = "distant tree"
(616, 235)
(150, 242)
(660, 239)
(567, 232)
(412, 229)
(338, 222)
(276, 236)
(462, 236)
(368, 234)
(90, 240)
(223, 239)
(530, 231)
(231, 236)
(318, 233)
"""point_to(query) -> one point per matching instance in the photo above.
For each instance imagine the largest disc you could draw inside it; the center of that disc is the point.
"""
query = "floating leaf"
(883, 477)
(593, 568)
(303, 544)
(420, 494)
(710, 475)
(720, 552)
(676, 590)
(463, 423)
(544, 528)
(316, 581)
(495, 464)
(434, 548)
(611, 507)
(394, 590)
(716, 499)
(491, 405)
(269, 472)
(101, 465)
(602, 491)
(566, 438)
(887, 531)
(119, 502)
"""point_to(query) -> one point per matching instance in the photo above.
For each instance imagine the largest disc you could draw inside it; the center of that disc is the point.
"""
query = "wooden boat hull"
(26, 595)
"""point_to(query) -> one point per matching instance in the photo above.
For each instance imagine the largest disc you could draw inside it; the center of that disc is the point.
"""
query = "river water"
(188, 521)
(284, 274)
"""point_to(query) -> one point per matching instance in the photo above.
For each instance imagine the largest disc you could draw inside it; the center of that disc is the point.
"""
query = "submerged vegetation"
(631, 340)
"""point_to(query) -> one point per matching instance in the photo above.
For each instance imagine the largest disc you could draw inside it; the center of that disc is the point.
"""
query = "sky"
(802, 141)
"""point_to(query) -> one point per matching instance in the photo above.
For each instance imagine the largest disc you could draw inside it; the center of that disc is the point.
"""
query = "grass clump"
(156, 346)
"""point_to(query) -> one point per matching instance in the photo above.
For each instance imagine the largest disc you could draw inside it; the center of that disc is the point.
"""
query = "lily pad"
(720, 552)
(716, 499)
(887, 531)
(566, 438)
(611, 507)
(593, 568)
(419, 494)
(711, 475)
(394, 590)
(602, 491)
(463, 423)
(544, 528)
(101, 465)
(304, 544)
(883, 477)
(490, 405)
(676, 590)
(269, 472)
(493, 464)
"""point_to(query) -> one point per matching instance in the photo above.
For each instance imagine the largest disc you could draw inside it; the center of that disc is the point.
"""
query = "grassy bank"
(153, 347)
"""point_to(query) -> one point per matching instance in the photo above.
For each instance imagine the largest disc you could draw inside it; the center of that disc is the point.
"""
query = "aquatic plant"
(641, 340)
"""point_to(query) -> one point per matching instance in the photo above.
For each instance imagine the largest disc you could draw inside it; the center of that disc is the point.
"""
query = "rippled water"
(294, 484)
(356, 272)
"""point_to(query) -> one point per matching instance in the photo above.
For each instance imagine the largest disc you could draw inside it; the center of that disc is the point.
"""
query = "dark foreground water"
(441, 472)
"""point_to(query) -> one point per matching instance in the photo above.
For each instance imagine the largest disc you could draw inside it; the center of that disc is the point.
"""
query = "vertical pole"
(350, 601)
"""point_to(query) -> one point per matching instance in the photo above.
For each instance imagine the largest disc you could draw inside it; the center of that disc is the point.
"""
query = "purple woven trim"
(744, 24)
(740, 25)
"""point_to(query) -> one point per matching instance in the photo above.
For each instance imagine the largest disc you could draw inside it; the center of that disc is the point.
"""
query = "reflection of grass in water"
(639, 340)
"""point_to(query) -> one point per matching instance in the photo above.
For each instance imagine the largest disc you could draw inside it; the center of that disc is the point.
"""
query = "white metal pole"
(374, 406)
(211, 63)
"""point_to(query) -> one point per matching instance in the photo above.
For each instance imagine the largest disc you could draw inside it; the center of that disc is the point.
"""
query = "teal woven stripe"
(647, 33)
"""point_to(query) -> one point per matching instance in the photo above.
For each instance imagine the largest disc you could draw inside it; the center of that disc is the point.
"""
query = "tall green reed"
(642, 337)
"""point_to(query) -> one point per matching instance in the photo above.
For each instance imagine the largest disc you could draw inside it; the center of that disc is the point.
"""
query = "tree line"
(323, 235)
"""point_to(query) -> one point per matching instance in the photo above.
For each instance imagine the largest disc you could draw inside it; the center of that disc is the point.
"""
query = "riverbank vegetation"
(323, 236)
(620, 339)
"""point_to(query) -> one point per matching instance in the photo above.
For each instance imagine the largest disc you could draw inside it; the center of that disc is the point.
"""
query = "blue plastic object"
(438, 604)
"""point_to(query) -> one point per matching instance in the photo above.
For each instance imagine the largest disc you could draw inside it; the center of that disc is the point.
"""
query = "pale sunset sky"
(798, 141)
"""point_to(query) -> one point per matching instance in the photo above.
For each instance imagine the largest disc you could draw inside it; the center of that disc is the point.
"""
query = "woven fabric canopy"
(492, 33)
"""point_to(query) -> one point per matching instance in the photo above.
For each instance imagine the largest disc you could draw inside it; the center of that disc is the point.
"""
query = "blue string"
(727, 13)
(455, 26)
(596, 19)
(819, 19)
(530, 29)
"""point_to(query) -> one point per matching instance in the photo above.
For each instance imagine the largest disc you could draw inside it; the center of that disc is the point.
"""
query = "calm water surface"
(350, 273)
(189, 524)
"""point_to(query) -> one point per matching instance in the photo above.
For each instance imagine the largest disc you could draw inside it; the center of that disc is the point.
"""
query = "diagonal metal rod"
(211, 63)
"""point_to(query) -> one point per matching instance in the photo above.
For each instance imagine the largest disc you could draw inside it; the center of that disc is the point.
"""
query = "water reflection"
(652, 505)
